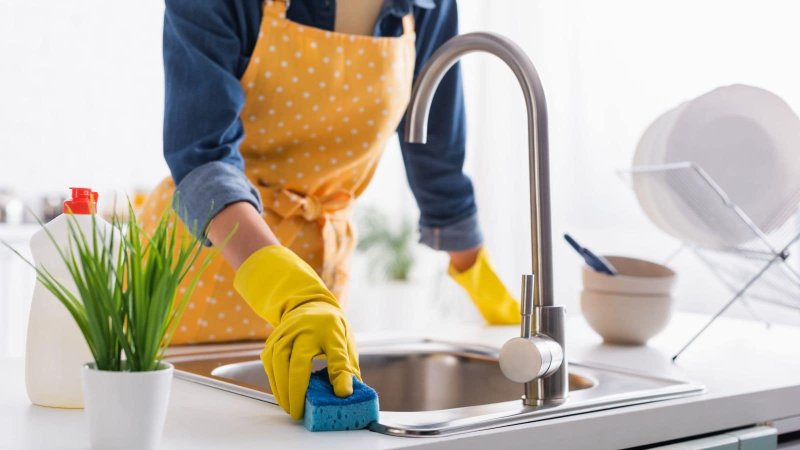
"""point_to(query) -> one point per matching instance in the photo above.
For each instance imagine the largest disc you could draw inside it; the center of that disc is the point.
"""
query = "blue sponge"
(324, 411)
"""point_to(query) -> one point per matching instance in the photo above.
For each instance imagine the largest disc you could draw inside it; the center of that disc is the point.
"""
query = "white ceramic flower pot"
(126, 409)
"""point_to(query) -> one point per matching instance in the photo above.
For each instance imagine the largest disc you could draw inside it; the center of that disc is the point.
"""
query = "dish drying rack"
(753, 263)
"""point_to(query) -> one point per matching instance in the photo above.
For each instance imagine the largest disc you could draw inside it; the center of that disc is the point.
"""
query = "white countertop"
(752, 376)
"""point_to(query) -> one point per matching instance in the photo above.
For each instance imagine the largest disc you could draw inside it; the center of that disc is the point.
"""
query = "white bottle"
(56, 349)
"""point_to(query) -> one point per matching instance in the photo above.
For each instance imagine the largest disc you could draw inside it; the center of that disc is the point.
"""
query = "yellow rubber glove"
(495, 303)
(307, 322)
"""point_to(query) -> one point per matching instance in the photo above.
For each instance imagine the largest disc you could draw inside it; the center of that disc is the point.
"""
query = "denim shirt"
(207, 47)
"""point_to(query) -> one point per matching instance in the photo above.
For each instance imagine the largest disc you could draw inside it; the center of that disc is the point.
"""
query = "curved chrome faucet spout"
(541, 347)
(416, 131)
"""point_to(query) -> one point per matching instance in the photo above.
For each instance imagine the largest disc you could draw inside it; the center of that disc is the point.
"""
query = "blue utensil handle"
(599, 264)
(574, 244)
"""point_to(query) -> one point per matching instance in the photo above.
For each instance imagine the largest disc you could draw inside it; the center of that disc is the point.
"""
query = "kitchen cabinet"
(757, 438)
(754, 438)
(788, 432)
(723, 442)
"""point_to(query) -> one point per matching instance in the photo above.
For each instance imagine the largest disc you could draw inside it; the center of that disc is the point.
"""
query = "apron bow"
(296, 209)
(288, 204)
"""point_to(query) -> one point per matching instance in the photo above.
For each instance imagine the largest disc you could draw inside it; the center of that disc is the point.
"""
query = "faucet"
(537, 358)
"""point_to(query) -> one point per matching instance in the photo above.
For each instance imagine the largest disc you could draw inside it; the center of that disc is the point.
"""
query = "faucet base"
(554, 388)
(528, 402)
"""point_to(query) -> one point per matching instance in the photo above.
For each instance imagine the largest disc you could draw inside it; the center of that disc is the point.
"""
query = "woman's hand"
(472, 270)
(311, 329)
(307, 322)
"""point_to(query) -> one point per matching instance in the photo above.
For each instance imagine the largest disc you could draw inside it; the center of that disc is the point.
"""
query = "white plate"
(660, 194)
(649, 189)
(747, 139)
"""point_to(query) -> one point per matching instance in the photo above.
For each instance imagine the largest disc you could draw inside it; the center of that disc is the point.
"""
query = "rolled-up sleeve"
(448, 214)
(203, 62)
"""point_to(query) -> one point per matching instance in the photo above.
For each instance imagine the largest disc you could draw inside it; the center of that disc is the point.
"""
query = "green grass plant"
(125, 299)
(388, 247)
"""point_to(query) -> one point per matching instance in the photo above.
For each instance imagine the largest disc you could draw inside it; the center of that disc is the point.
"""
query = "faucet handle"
(525, 359)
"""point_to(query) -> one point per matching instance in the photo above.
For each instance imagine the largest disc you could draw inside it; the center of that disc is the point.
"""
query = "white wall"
(81, 91)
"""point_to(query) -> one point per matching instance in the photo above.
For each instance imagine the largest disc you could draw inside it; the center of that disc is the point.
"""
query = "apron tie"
(296, 209)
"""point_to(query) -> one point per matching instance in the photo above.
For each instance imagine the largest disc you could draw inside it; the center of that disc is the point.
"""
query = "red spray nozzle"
(84, 201)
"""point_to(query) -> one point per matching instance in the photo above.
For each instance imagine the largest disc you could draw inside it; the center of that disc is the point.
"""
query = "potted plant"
(124, 302)
(388, 248)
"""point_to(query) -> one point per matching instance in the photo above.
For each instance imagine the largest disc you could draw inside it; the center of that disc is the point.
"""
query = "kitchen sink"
(434, 388)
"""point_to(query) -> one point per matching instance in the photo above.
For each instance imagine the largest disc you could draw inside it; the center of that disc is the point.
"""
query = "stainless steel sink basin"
(430, 388)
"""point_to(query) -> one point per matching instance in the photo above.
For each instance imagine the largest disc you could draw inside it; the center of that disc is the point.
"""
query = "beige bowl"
(635, 276)
(631, 307)
(626, 319)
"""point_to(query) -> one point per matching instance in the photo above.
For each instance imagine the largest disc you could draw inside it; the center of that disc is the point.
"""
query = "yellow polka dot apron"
(320, 107)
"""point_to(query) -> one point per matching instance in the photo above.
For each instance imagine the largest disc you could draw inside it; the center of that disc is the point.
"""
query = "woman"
(275, 118)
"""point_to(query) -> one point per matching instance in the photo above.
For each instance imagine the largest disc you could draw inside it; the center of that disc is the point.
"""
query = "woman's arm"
(448, 215)
(252, 233)
(462, 260)
(207, 45)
